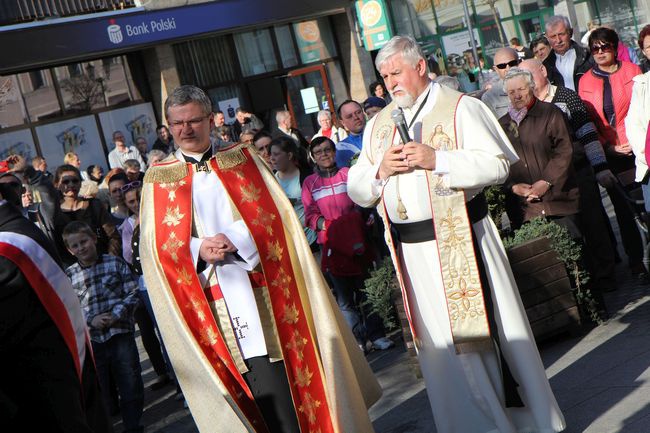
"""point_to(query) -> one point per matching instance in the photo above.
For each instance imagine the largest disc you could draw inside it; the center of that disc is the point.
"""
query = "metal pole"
(472, 42)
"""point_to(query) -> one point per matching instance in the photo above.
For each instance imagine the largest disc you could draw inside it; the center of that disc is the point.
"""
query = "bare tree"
(86, 92)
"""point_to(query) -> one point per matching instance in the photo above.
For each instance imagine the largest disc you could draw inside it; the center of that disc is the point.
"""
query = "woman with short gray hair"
(328, 129)
(543, 182)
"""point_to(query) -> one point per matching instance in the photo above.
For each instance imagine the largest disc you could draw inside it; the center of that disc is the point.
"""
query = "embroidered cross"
(239, 327)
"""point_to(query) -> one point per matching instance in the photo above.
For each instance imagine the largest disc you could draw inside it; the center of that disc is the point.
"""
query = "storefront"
(440, 24)
(82, 79)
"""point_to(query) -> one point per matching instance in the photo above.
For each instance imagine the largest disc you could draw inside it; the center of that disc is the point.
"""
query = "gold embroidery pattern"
(195, 305)
(290, 315)
(171, 188)
(208, 336)
(303, 377)
(250, 193)
(264, 219)
(282, 281)
(173, 216)
(297, 344)
(462, 290)
(275, 251)
(309, 406)
(184, 277)
(172, 245)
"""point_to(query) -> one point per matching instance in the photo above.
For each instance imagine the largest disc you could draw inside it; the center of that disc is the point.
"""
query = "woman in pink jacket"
(607, 90)
(346, 253)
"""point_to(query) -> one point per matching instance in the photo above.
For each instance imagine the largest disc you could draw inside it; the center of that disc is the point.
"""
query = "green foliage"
(379, 289)
(568, 252)
(496, 200)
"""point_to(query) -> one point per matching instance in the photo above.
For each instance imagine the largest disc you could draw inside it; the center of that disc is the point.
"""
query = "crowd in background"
(576, 113)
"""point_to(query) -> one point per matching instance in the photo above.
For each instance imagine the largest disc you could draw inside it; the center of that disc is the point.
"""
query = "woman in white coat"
(328, 129)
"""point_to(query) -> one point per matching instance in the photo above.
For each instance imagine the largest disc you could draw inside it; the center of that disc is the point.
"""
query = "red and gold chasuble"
(173, 230)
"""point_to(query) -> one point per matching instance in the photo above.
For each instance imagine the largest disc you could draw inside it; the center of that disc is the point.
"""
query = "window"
(41, 102)
(205, 62)
(255, 52)
(287, 48)
(315, 40)
(12, 107)
(36, 78)
(413, 18)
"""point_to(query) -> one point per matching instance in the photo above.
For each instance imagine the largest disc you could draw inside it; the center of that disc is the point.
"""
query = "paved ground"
(600, 378)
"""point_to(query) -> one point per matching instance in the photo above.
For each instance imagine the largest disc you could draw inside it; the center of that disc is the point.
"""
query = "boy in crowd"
(107, 291)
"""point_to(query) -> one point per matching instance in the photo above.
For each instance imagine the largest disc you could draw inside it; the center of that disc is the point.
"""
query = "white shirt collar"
(197, 156)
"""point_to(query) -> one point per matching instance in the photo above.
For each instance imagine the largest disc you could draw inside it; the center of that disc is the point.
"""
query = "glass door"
(531, 25)
(308, 92)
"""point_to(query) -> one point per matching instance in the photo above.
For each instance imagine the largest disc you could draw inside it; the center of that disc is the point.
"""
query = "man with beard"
(476, 349)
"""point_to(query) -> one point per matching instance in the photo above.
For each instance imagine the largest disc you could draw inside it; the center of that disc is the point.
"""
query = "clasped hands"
(406, 158)
(214, 248)
(531, 193)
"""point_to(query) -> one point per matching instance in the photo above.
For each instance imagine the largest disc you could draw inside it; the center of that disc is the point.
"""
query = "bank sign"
(64, 40)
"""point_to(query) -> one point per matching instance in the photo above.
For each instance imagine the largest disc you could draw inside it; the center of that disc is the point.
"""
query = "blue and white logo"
(115, 33)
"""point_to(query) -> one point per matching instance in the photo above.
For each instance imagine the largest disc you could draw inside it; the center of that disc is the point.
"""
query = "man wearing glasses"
(247, 317)
(496, 98)
(568, 60)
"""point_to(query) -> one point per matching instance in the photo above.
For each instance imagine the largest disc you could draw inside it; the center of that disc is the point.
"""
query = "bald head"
(504, 59)
(539, 75)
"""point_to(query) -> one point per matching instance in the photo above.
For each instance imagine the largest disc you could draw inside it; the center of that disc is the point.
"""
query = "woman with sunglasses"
(607, 91)
(72, 207)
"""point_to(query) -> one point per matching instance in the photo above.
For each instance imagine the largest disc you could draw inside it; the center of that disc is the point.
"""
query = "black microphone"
(397, 115)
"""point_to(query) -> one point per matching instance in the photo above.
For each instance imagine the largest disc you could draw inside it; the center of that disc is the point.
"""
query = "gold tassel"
(401, 209)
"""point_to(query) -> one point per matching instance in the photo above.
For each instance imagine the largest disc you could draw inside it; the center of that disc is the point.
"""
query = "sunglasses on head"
(511, 63)
(605, 48)
(131, 185)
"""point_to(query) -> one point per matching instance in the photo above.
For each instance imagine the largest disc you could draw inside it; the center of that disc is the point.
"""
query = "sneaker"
(160, 382)
(382, 343)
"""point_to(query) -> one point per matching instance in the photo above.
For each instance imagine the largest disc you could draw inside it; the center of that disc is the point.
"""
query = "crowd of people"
(558, 122)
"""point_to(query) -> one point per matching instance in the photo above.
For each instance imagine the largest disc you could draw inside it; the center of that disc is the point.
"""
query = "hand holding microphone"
(407, 156)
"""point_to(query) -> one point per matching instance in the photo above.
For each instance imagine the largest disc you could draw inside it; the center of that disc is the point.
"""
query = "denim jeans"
(119, 355)
(144, 296)
(349, 297)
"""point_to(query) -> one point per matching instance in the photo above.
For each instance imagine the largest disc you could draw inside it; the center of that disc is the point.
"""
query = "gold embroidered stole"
(462, 285)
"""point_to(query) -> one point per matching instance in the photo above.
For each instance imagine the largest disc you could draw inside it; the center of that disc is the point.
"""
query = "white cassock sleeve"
(484, 158)
(363, 186)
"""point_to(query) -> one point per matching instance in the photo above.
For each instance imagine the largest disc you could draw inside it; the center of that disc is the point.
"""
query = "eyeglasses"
(70, 181)
(193, 123)
(131, 185)
(605, 48)
(511, 63)
(321, 152)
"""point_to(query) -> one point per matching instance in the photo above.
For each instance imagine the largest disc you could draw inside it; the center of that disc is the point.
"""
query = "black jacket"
(584, 62)
(39, 386)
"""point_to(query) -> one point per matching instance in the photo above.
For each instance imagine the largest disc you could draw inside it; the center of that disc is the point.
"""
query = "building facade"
(74, 72)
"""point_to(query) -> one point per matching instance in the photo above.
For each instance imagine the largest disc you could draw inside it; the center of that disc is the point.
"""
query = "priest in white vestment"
(482, 370)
